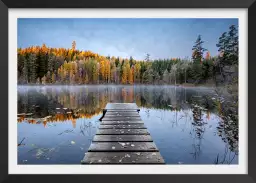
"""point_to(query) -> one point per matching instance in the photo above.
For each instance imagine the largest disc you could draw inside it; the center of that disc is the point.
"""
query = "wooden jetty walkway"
(122, 138)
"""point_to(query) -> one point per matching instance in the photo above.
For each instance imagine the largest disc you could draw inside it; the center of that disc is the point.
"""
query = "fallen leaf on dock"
(122, 144)
(127, 155)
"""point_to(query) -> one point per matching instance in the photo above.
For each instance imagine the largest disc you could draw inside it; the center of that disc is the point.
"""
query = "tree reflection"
(198, 130)
(60, 104)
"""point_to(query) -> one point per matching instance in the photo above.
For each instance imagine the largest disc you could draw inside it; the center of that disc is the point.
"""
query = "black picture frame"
(6, 4)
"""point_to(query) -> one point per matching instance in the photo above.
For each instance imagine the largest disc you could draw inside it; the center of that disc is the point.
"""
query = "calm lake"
(185, 123)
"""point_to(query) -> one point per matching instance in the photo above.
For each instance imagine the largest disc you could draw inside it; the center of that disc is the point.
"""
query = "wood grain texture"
(121, 118)
(123, 146)
(121, 106)
(121, 122)
(122, 132)
(123, 158)
(123, 126)
(122, 138)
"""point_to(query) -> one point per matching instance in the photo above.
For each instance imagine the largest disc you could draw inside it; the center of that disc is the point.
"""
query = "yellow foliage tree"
(130, 76)
(102, 69)
(124, 75)
(207, 56)
(107, 71)
(53, 78)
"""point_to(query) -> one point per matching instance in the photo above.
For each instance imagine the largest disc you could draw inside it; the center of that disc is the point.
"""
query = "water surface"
(185, 123)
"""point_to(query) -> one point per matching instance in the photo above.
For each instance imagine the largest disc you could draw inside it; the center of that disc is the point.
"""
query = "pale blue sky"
(161, 38)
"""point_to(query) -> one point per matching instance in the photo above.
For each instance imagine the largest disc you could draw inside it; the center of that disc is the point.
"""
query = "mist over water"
(185, 123)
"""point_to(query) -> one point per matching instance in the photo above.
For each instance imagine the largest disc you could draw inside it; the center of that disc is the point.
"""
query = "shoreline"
(111, 84)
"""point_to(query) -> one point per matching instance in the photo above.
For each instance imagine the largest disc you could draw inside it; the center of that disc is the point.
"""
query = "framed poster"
(177, 62)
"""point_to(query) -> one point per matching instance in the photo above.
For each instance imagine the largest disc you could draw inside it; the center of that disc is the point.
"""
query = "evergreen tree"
(148, 76)
(137, 68)
(147, 57)
(25, 70)
(198, 50)
(166, 77)
(131, 61)
(33, 68)
(51, 60)
(228, 46)
(74, 45)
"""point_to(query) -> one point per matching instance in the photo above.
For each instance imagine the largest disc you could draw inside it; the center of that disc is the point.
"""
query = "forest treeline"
(44, 65)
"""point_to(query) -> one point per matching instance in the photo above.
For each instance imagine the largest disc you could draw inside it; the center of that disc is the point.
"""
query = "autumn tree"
(95, 73)
(53, 78)
(130, 76)
(207, 56)
(124, 74)
(137, 68)
(102, 70)
(48, 77)
(107, 71)
(71, 66)
(113, 73)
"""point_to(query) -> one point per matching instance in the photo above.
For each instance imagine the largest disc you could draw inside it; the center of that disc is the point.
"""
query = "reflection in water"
(75, 105)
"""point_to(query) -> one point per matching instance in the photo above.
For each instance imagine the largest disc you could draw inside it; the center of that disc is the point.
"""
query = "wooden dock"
(122, 138)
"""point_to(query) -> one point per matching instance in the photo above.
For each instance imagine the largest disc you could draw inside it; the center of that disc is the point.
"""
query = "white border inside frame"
(241, 168)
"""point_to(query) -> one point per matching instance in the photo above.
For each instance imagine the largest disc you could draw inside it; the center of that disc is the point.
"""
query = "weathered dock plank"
(121, 115)
(121, 118)
(123, 158)
(123, 146)
(122, 132)
(122, 138)
(121, 122)
(123, 126)
(122, 112)
(121, 106)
